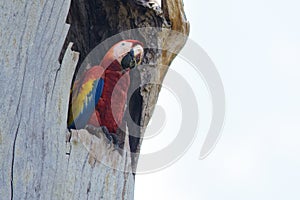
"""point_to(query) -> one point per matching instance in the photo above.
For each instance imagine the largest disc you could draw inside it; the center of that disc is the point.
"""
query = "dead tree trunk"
(39, 158)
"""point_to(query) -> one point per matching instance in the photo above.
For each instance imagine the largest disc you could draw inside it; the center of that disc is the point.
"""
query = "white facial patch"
(121, 49)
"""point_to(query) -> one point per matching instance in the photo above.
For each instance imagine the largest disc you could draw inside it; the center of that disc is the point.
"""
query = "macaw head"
(128, 54)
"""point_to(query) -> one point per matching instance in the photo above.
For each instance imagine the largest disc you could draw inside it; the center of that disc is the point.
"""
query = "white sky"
(256, 48)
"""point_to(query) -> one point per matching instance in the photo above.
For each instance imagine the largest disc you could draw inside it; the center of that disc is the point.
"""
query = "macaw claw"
(110, 136)
(99, 131)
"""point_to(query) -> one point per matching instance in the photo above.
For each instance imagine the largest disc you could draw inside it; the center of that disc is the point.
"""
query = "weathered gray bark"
(39, 158)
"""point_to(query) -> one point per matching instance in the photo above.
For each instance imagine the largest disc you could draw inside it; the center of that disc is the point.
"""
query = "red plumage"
(110, 108)
(117, 62)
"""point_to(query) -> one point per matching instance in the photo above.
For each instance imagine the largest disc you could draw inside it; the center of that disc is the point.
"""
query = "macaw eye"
(123, 44)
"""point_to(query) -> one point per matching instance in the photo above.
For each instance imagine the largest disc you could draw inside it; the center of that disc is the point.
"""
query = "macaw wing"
(84, 101)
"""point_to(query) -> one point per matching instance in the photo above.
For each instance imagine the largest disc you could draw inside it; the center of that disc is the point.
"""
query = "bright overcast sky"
(255, 46)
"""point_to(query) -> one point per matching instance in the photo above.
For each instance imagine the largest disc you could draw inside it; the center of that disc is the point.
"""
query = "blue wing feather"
(90, 103)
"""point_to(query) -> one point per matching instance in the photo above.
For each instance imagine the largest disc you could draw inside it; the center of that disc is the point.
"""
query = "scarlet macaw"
(91, 95)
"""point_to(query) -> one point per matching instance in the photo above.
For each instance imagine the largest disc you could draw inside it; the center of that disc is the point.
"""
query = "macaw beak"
(134, 56)
(138, 52)
(138, 49)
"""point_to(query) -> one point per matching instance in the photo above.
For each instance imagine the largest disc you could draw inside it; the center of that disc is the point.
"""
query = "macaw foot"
(99, 131)
(110, 136)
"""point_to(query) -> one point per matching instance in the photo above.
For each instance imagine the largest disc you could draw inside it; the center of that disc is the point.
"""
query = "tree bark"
(40, 159)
